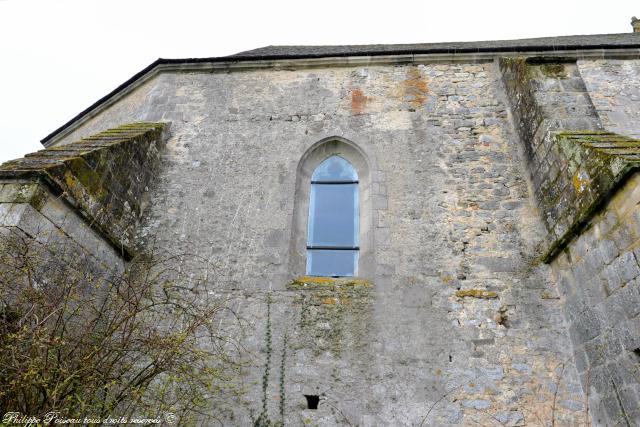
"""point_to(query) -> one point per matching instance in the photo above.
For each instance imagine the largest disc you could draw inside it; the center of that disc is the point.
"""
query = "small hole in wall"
(637, 353)
(312, 401)
(501, 317)
(450, 358)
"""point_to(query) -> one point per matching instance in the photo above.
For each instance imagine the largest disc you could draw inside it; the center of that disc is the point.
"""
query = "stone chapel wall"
(456, 311)
(586, 186)
(460, 312)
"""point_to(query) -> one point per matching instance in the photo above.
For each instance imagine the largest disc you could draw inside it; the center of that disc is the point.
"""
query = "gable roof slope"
(562, 43)
(602, 41)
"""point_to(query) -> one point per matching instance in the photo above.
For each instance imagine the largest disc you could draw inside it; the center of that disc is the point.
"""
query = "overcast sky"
(57, 57)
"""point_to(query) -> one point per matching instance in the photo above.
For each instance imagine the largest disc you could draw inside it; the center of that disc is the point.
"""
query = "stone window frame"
(316, 154)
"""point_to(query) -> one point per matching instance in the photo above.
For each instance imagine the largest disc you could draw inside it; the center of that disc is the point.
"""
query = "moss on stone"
(316, 282)
(598, 162)
(476, 293)
(519, 66)
(89, 179)
(334, 312)
(94, 172)
(32, 193)
(333, 319)
(554, 70)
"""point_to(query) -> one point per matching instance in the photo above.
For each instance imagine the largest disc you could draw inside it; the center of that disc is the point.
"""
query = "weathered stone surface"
(596, 164)
(466, 164)
(604, 329)
(105, 177)
(574, 175)
(614, 90)
(452, 213)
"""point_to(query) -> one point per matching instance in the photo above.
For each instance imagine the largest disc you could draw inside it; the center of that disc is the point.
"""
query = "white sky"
(57, 57)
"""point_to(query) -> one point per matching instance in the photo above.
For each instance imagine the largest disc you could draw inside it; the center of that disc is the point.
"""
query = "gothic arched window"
(334, 217)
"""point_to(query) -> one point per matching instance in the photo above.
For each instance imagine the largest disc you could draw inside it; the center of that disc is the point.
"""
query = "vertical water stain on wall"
(414, 89)
(358, 101)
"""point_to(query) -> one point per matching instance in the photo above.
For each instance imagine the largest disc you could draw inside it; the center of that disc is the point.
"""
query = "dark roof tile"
(543, 43)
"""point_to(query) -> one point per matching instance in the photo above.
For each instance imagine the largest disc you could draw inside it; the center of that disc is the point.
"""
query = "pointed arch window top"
(335, 169)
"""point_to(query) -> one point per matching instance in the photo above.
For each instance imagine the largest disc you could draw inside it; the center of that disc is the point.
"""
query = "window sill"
(319, 282)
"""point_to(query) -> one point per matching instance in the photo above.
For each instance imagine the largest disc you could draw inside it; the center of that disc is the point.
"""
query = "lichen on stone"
(555, 70)
(597, 162)
(100, 176)
(318, 282)
(476, 293)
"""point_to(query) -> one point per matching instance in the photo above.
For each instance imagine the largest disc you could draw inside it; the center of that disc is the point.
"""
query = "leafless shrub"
(92, 340)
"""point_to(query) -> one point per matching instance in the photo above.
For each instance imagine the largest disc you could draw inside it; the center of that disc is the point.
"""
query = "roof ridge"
(459, 42)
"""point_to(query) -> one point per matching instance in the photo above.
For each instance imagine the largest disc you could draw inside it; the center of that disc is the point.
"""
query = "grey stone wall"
(546, 97)
(104, 177)
(591, 237)
(67, 214)
(32, 212)
(598, 279)
(458, 322)
(614, 87)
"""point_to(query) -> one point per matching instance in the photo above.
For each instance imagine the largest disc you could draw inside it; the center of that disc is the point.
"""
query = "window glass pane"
(335, 168)
(331, 262)
(333, 215)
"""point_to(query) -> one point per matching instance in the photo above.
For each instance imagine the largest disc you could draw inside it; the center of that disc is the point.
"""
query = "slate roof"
(563, 43)
(609, 41)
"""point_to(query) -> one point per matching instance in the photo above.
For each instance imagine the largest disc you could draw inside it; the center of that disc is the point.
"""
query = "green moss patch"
(316, 282)
(334, 313)
(476, 293)
(598, 163)
(554, 70)
(100, 175)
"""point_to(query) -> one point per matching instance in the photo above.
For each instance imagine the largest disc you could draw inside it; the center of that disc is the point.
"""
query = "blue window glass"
(332, 238)
(331, 215)
(331, 263)
(335, 169)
